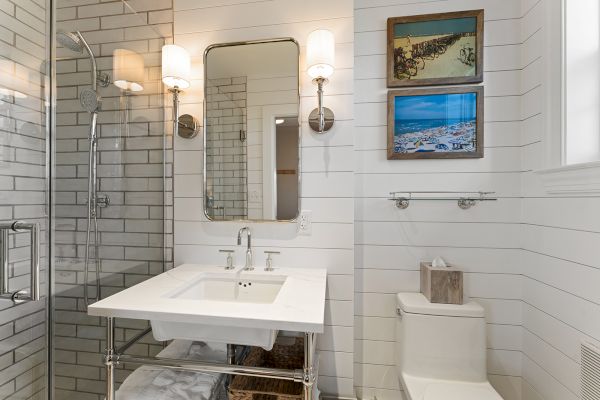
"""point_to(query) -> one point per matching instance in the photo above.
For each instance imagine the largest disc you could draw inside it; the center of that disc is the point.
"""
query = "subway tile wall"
(23, 80)
(134, 168)
(226, 162)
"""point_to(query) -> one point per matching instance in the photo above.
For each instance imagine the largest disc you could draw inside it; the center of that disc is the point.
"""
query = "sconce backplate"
(313, 120)
(188, 126)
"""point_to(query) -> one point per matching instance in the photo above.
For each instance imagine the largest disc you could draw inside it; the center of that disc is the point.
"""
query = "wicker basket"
(286, 356)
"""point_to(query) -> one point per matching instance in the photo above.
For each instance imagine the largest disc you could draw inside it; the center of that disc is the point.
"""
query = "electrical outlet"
(305, 223)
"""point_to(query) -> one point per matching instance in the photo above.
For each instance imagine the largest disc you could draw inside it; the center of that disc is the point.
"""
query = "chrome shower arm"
(92, 60)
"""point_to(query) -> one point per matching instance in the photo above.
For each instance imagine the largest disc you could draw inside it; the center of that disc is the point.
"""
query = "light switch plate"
(305, 223)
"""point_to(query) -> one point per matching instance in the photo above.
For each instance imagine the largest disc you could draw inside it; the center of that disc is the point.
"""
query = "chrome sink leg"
(231, 361)
(309, 365)
(110, 358)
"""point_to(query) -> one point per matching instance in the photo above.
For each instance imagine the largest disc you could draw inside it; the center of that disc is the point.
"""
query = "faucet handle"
(269, 262)
(229, 258)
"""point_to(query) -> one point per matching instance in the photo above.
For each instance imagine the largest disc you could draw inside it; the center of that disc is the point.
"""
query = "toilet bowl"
(441, 350)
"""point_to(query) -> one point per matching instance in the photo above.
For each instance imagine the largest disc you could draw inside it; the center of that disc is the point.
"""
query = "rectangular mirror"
(252, 131)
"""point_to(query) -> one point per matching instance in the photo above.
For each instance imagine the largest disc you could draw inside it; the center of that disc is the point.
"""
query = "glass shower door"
(24, 83)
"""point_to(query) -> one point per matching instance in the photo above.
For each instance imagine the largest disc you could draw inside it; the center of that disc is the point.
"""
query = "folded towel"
(190, 350)
(153, 382)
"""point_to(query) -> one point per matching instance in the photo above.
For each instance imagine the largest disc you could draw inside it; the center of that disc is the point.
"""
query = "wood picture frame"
(435, 123)
(435, 49)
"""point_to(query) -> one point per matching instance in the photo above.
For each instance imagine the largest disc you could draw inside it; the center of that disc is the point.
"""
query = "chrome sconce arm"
(185, 126)
(175, 91)
(321, 119)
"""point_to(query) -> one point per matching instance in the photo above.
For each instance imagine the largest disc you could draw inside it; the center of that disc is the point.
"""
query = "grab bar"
(20, 226)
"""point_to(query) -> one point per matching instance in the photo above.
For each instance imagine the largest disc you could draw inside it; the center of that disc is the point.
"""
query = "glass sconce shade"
(320, 53)
(176, 66)
(128, 70)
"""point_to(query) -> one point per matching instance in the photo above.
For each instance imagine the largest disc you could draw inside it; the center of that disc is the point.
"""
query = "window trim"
(558, 177)
(581, 178)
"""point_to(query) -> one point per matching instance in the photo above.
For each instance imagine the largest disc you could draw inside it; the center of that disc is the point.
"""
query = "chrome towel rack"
(465, 200)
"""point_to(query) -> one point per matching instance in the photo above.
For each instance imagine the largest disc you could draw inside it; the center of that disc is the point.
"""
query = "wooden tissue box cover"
(442, 285)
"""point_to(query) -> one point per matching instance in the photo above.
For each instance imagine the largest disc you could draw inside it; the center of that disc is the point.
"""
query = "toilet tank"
(440, 341)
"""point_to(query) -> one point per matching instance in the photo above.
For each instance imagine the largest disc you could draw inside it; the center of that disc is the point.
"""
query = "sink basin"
(209, 303)
(260, 289)
(257, 289)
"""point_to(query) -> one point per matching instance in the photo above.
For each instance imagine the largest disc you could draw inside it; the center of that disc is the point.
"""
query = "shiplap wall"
(327, 169)
(529, 257)
(484, 240)
(560, 237)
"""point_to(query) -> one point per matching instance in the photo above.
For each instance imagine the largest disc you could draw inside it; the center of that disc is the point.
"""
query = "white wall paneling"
(484, 241)
(560, 236)
(530, 258)
(327, 162)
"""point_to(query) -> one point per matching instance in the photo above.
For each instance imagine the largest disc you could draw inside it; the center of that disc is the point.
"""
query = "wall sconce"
(13, 82)
(128, 75)
(128, 70)
(320, 59)
(176, 71)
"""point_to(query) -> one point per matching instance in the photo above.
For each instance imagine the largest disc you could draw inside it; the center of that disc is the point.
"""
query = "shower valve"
(103, 201)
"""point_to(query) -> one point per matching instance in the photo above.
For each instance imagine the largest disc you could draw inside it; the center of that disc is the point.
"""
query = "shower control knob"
(103, 201)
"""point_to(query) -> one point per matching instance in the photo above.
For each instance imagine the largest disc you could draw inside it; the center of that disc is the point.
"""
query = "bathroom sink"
(256, 289)
(209, 303)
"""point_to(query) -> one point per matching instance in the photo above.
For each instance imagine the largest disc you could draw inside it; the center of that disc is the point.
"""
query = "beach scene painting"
(435, 49)
(429, 123)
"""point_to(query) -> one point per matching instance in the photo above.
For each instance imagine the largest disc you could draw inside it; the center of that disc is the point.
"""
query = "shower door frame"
(51, 95)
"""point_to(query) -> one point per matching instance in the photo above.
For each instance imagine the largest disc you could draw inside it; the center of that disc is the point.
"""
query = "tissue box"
(442, 285)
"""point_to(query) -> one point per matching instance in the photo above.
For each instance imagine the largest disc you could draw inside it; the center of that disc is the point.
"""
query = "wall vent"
(590, 372)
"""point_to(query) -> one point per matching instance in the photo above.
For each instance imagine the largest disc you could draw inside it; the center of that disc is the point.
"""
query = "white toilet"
(441, 350)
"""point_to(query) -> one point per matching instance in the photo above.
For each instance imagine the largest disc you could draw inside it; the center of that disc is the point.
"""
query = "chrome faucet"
(249, 263)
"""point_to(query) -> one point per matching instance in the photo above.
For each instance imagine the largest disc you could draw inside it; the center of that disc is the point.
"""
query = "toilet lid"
(460, 391)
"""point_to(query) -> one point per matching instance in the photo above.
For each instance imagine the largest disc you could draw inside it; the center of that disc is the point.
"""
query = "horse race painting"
(435, 123)
(435, 49)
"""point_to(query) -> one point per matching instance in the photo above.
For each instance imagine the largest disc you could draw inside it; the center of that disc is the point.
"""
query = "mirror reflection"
(252, 131)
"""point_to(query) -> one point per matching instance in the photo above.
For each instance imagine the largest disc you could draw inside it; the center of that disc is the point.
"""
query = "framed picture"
(435, 123)
(435, 49)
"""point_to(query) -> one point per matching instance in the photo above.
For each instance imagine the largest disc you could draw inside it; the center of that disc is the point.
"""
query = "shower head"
(90, 101)
(70, 40)
(77, 43)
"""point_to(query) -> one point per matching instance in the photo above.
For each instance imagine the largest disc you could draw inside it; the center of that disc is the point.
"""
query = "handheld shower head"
(70, 40)
(90, 100)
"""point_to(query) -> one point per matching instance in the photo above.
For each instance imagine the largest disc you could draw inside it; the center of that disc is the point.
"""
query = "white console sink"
(208, 303)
